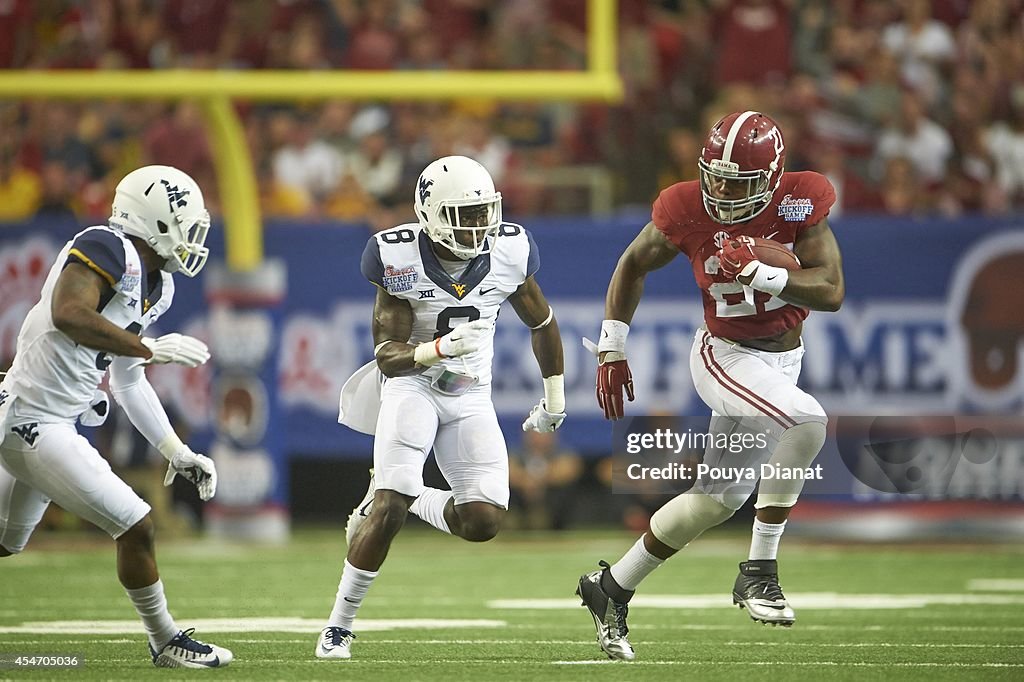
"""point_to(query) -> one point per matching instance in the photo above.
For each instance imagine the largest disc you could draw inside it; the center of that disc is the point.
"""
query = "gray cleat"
(607, 603)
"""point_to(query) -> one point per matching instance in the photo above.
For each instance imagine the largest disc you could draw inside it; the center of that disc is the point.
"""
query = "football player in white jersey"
(440, 284)
(108, 284)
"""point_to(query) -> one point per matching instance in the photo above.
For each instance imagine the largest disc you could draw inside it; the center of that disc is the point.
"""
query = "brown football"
(773, 253)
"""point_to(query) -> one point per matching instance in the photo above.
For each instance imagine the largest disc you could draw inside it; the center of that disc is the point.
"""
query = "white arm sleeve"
(136, 396)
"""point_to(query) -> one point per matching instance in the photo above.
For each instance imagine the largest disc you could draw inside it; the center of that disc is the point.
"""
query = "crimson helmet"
(741, 166)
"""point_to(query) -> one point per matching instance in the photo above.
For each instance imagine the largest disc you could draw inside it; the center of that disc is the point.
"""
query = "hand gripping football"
(773, 253)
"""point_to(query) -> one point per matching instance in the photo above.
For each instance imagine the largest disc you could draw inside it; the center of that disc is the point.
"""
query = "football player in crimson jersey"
(744, 361)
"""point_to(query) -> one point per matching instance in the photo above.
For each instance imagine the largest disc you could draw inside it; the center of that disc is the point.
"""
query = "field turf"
(443, 609)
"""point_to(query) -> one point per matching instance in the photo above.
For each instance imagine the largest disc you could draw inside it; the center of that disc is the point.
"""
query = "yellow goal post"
(215, 90)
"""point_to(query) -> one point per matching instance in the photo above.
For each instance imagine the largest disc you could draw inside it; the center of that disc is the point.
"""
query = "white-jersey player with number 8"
(744, 361)
(440, 284)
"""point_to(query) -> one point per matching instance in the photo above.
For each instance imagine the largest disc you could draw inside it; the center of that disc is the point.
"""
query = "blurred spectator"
(835, 74)
(350, 202)
(742, 24)
(57, 199)
(375, 164)
(1005, 142)
(683, 147)
(852, 193)
(915, 137)
(279, 200)
(902, 193)
(543, 478)
(479, 140)
(20, 189)
(924, 46)
(301, 160)
(178, 138)
(16, 18)
(195, 28)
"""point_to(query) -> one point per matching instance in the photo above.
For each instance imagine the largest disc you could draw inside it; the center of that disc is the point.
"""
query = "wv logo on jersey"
(28, 432)
(175, 196)
(460, 289)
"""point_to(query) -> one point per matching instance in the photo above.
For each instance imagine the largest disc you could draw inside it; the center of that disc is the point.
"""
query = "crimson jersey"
(731, 310)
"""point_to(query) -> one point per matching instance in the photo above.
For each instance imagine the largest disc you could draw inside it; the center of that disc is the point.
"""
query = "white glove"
(466, 338)
(96, 413)
(541, 420)
(177, 348)
(198, 469)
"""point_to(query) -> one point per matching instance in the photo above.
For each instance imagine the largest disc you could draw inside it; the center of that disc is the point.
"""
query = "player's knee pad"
(797, 448)
(683, 518)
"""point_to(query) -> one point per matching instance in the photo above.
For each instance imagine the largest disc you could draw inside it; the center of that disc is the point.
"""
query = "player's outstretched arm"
(139, 401)
(819, 283)
(76, 298)
(649, 251)
(533, 309)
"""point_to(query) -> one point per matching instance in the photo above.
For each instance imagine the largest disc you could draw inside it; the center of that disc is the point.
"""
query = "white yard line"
(996, 585)
(799, 600)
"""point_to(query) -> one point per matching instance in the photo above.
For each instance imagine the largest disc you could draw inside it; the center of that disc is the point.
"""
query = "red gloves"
(612, 377)
(735, 255)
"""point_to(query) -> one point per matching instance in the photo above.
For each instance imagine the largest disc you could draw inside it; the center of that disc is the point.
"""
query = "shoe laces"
(770, 588)
(621, 611)
(184, 641)
(337, 634)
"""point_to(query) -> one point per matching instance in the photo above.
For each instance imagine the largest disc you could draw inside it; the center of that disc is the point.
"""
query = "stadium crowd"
(912, 107)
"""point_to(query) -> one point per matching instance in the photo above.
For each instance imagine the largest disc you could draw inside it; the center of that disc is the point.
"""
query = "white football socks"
(151, 605)
(634, 566)
(355, 583)
(764, 543)
(430, 505)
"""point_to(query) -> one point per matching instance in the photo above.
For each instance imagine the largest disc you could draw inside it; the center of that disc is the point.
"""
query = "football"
(773, 253)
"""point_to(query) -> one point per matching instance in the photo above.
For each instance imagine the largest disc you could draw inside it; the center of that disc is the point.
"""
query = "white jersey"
(53, 378)
(402, 262)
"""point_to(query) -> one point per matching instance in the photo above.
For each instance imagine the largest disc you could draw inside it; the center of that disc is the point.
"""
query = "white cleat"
(335, 642)
(185, 652)
(362, 510)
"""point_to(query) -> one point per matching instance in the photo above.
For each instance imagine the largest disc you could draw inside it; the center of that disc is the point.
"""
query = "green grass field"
(443, 609)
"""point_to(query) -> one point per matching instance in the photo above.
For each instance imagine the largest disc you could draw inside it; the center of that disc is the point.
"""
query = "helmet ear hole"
(162, 226)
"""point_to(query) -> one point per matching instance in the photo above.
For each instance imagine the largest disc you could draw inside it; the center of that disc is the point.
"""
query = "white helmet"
(165, 207)
(456, 194)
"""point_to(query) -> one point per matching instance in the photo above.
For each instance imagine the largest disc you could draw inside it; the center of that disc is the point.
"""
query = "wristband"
(428, 353)
(554, 393)
(770, 279)
(613, 336)
(170, 446)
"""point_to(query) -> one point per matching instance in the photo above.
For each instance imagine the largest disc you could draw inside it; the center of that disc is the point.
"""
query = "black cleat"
(757, 589)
